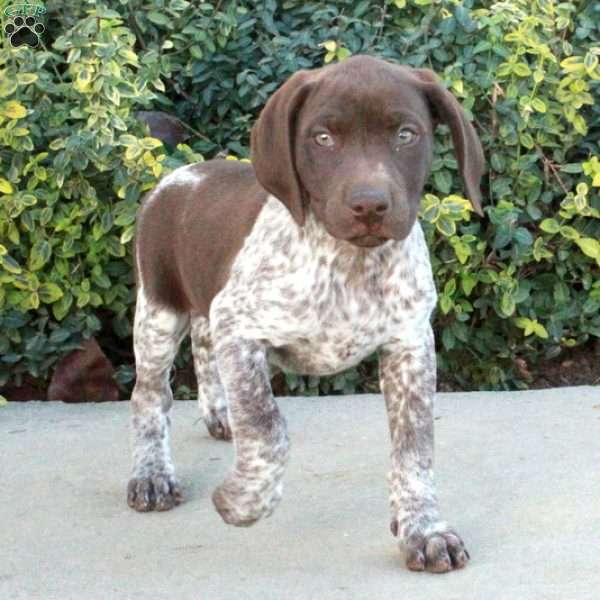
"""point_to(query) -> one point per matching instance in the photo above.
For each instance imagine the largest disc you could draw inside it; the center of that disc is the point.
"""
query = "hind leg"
(157, 334)
(211, 395)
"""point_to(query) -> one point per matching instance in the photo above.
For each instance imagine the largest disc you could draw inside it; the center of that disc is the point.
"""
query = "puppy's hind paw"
(217, 423)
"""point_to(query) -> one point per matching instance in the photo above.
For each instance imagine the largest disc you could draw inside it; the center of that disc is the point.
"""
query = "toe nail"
(461, 560)
(416, 561)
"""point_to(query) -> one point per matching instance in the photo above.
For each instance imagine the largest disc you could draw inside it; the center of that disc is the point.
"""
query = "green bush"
(74, 162)
(523, 283)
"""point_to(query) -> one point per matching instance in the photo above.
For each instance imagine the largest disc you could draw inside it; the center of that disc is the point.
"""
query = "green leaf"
(57, 144)
(39, 255)
(106, 222)
(539, 330)
(468, 282)
(462, 251)
(28, 200)
(10, 264)
(445, 226)
(158, 18)
(450, 287)
(502, 237)
(61, 308)
(5, 186)
(431, 213)
(448, 339)
(455, 204)
(589, 246)
(522, 236)
(445, 304)
(196, 52)
(50, 292)
(26, 78)
(127, 234)
(527, 140)
(539, 105)
(343, 54)
(498, 162)
(504, 69)
(590, 62)
(540, 251)
(128, 140)
(7, 86)
(83, 299)
(522, 70)
(149, 143)
(550, 226)
(573, 64)
(580, 124)
(13, 110)
(32, 301)
(507, 305)
(522, 322)
(112, 93)
(443, 181)
(572, 168)
(569, 232)
(133, 152)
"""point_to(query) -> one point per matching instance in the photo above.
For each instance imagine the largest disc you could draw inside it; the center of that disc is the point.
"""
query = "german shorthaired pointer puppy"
(310, 259)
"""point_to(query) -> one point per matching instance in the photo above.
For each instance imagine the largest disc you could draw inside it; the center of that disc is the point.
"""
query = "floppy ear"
(467, 147)
(273, 142)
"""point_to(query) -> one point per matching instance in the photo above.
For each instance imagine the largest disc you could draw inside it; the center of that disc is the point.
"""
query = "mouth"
(368, 241)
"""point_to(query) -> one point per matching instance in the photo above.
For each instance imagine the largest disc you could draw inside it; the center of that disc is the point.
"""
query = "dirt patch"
(578, 366)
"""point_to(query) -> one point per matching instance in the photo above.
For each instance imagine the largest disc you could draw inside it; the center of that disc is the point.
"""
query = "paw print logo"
(24, 31)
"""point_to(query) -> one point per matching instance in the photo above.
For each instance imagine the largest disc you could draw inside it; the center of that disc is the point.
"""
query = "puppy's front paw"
(160, 492)
(439, 549)
(242, 502)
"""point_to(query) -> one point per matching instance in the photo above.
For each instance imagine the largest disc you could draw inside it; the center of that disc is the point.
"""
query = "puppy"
(311, 259)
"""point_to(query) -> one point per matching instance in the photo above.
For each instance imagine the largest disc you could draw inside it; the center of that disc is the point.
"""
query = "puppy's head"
(353, 142)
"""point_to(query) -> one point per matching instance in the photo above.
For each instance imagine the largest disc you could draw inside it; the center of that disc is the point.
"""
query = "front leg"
(408, 375)
(254, 486)
(157, 333)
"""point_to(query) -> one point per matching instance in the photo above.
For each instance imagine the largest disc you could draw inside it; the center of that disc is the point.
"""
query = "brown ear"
(273, 142)
(467, 146)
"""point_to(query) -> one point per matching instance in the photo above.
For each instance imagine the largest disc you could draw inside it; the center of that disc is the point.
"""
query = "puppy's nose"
(369, 202)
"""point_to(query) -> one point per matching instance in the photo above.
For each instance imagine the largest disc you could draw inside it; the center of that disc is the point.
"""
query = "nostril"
(369, 202)
(361, 209)
(381, 208)
(358, 208)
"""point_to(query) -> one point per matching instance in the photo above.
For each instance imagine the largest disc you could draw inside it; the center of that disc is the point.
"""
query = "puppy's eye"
(324, 139)
(405, 136)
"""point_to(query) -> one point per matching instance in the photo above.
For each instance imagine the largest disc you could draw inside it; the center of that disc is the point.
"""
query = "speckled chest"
(320, 305)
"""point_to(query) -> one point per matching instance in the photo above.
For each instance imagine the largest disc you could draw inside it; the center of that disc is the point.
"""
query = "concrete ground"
(518, 475)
